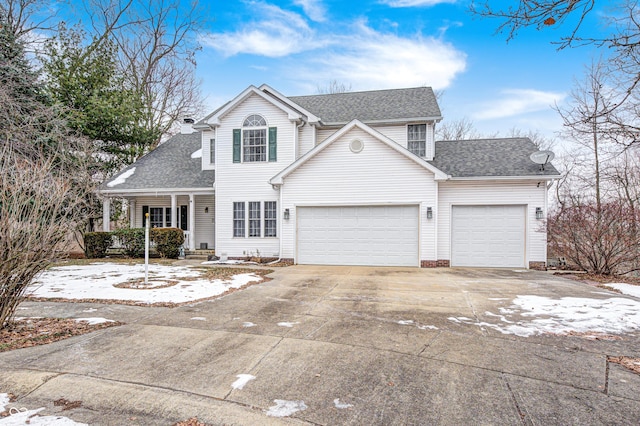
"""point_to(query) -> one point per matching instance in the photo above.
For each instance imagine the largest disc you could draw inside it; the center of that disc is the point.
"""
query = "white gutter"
(163, 191)
(477, 178)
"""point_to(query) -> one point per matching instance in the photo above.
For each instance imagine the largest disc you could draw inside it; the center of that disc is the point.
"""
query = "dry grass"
(29, 332)
(632, 364)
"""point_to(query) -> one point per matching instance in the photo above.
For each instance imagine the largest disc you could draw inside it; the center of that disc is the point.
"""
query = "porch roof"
(175, 165)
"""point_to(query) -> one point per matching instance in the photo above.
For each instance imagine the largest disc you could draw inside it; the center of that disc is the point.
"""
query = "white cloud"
(280, 33)
(368, 59)
(518, 101)
(414, 3)
(313, 8)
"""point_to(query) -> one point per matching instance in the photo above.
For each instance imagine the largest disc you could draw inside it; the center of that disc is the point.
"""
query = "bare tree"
(599, 240)
(40, 203)
(622, 45)
(334, 86)
(44, 177)
(585, 120)
(462, 129)
(541, 141)
(157, 43)
(26, 16)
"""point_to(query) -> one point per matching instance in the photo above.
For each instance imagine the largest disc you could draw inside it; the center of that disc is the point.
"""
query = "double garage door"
(481, 236)
(358, 235)
(488, 236)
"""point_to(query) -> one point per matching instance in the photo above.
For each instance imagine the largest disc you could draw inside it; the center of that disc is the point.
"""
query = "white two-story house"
(342, 179)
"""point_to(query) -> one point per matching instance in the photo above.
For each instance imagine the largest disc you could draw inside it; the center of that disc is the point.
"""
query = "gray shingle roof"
(489, 157)
(169, 166)
(372, 106)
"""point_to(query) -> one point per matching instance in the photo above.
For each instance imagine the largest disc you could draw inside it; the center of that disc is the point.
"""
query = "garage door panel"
(488, 236)
(358, 235)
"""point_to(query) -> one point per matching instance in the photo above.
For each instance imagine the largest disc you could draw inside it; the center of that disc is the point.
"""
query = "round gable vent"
(356, 145)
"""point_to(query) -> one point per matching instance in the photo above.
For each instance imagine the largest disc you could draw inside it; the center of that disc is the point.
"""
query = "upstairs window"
(212, 151)
(254, 139)
(255, 142)
(417, 139)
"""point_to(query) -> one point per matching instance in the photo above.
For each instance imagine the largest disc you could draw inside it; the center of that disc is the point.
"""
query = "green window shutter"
(273, 144)
(145, 210)
(236, 145)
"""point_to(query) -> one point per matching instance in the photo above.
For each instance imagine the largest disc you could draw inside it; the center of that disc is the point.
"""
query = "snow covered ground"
(629, 289)
(531, 315)
(22, 416)
(167, 284)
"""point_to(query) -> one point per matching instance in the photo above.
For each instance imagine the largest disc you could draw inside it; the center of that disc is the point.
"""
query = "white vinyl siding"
(377, 175)
(488, 236)
(205, 220)
(358, 235)
(207, 146)
(397, 133)
(243, 182)
(524, 193)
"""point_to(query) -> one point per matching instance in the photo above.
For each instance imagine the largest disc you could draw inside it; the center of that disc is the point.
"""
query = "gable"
(215, 118)
(359, 165)
(368, 135)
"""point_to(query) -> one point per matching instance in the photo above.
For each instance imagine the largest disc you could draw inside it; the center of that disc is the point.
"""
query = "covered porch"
(193, 212)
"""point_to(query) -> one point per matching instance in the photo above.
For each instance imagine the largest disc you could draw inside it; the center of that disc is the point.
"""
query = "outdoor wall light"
(206, 209)
(429, 213)
(539, 214)
(286, 214)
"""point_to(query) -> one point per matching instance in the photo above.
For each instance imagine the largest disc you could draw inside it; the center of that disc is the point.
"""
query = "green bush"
(167, 241)
(132, 240)
(96, 244)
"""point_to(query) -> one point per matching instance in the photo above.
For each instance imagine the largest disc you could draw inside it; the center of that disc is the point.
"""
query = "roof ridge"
(361, 91)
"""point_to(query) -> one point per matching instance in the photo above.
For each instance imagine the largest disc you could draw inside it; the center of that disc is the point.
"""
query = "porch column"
(132, 213)
(106, 216)
(174, 213)
(192, 222)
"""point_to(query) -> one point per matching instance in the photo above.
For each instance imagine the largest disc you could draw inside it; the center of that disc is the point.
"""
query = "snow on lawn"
(98, 281)
(629, 289)
(615, 315)
(30, 417)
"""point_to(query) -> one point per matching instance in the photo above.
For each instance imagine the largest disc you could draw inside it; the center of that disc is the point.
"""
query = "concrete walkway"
(370, 346)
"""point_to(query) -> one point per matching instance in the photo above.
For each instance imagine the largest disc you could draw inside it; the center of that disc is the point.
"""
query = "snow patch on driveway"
(285, 408)
(532, 315)
(243, 379)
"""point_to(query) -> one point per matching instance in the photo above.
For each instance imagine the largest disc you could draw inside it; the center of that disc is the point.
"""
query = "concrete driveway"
(343, 345)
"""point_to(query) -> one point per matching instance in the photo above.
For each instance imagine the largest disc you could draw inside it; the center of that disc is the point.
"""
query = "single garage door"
(358, 235)
(488, 236)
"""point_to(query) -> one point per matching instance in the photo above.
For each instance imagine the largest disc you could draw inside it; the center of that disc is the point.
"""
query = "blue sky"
(298, 46)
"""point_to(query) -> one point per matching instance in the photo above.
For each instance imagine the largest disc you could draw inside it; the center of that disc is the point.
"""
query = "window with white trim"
(254, 139)
(212, 151)
(270, 218)
(254, 219)
(238, 219)
(156, 217)
(417, 139)
(250, 218)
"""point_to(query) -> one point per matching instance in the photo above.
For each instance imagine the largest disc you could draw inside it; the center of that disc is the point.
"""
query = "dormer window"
(255, 142)
(417, 139)
(254, 139)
